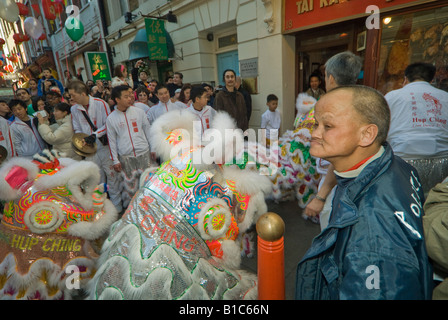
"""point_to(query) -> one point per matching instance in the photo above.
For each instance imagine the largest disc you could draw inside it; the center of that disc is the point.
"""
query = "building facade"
(210, 36)
(71, 55)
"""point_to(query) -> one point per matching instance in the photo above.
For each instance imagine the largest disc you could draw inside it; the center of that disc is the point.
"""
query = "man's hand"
(90, 140)
(138, 63)
(314, 208)
(117, 167)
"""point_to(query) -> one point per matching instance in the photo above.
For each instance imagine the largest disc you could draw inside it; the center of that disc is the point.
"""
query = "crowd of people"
(374, 151)
(115, 115)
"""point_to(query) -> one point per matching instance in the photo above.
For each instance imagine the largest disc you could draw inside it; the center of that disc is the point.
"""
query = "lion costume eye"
(43, 217)
(175, 137)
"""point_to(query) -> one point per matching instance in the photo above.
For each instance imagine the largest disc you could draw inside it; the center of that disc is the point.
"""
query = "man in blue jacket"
(46, 75)
(373, 247)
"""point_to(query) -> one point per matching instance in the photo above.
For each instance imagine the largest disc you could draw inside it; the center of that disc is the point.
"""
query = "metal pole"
(271, 257)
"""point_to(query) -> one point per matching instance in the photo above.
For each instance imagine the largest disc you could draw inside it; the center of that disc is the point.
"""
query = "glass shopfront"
(420, 36)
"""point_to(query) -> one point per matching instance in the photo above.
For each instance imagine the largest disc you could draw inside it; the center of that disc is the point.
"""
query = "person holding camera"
(139, 75)
(60, 134)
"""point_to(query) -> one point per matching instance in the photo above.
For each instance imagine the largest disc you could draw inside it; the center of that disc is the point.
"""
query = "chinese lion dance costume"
(180, 237)
(55, 213)
(300, 173)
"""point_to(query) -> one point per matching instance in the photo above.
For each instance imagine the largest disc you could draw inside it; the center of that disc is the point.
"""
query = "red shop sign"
(306, 14)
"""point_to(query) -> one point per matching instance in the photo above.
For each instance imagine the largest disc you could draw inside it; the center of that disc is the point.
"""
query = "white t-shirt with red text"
(419, 121)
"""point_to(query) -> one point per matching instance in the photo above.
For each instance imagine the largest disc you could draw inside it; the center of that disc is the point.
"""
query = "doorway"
(315, 47)
(227, 60)
(313, 61)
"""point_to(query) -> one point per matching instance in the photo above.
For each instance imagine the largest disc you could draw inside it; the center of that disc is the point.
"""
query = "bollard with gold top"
(271, 257)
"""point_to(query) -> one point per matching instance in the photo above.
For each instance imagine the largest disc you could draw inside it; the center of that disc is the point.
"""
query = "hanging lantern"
(23, 9)
(13, 58)
(19, 38)
(58, 7)
(43, 37)
(49, 9)
(36, 10)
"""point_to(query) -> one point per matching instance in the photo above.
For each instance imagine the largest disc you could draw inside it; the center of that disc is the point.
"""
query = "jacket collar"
(368, 175)
(81, 107)
(18, 121)
(349, 213)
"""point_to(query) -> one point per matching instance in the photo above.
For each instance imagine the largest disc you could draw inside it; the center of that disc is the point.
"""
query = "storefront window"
(415, 37)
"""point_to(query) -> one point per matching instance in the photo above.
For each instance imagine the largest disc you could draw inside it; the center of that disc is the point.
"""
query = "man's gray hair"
(344, 67)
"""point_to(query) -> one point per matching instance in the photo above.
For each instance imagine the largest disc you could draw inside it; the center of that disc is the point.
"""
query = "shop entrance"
(315, 47)
(313, 61)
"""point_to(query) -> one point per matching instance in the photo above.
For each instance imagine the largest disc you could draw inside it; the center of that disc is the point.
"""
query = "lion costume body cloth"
(180, 237)
(54, 213)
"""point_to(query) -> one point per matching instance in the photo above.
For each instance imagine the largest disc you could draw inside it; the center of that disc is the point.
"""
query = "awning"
(138, 48)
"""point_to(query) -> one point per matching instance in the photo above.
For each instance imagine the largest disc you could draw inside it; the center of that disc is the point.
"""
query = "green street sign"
(99, 66)
(157, 44)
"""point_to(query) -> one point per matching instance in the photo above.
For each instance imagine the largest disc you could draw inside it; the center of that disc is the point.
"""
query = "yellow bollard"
(271, 257)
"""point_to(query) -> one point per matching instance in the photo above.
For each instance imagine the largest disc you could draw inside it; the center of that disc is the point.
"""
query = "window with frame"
(409, 38)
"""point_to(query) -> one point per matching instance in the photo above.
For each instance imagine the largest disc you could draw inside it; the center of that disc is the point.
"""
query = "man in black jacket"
(246, 95)
(232, 101)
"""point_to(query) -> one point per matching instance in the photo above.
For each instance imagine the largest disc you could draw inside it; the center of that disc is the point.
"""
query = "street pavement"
(299, 234)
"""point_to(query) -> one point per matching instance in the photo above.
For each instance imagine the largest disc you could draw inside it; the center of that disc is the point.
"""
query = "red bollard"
(271, 257)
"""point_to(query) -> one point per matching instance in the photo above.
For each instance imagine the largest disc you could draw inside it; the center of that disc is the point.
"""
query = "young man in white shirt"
(271, 120)
(200, 109)
(128, 134)
(97, 110)
(5, 133)
(165, 104)
(25, 137)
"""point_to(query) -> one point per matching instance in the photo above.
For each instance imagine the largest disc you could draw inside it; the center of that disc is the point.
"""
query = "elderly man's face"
(338, 128)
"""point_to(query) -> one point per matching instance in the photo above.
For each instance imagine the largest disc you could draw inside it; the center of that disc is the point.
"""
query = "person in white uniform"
(25, 136)
(203, 112)
(96, 110)
(165, 104)
(419, 124)
(128, 135)
(271, 120)
(6, 139)
(140, 105)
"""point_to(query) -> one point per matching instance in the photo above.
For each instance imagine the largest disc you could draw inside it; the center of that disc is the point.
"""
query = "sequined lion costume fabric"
(180, 238)
(298, 176)
(54, 212)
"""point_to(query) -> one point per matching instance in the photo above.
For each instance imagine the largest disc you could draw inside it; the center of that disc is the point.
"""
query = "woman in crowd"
(184, 96)
(39, 103)
(121, 77)
(60, 134)
(143, 96)
(34, 91)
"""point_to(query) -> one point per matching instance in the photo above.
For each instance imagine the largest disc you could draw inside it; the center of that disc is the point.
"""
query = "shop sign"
(305, 14)
(249, 68)
(99, 66)
(157, 44)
